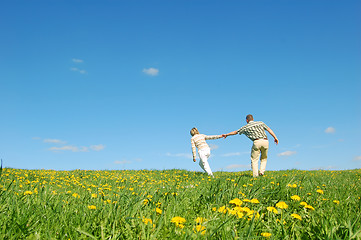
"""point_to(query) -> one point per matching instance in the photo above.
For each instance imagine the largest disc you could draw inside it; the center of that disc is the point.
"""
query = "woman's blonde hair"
(194, 131)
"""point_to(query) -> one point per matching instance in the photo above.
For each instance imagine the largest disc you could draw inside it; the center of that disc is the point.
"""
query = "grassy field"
(178, 204)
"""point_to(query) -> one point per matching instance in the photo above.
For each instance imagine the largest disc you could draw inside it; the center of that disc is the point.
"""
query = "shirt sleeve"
(240, 131)
(212, 137)
(193, 148)
(265, 127)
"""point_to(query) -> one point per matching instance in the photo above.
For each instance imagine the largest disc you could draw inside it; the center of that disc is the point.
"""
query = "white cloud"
(69, 148)
(233, 154)
(286, 154)
(151, 71)
(74, 148)
(54, 141)
(330, 130)
(78, 70)
(97, 147)
(77, 60)
(122, 162)
(325, 168)
(234, 166)
(184, 155)
(357, 158)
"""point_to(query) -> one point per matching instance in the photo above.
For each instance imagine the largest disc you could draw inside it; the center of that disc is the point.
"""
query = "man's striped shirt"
(199, 141)
(254, 130)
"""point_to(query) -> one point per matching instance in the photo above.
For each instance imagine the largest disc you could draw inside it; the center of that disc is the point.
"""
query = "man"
(256, 132)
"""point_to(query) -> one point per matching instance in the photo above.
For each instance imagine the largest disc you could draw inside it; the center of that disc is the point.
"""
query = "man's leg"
(255, 152)
(264, 152)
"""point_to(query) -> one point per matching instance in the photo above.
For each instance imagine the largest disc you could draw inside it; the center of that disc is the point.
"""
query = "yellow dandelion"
(319, 191)
(254, 200)
(309, 207)
(296, 216)
(236, 202)
(284, 222)
(178, 221)
(282, 205)
(295, 198)
(92, 207)
(303, 203)
(252, 214)
(246, 200)
(272, 209)
(200, 229)
(158, 211)
(28, 193)
(222, 209)
(147, 220)
(94, 195)
(266, 234)
(200, 220)
(76, 195)
(243, 209)
(240, 192)
(336, 201)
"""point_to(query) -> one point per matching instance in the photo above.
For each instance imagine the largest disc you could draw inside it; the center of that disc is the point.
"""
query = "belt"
(260, 139)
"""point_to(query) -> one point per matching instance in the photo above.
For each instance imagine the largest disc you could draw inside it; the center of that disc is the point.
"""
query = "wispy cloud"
(357, 158)
(69, 148)
(97, 147)
(286, 154)
(213, 146)
(151, 71)
(122, 162)
(325, 168)
(78, 70)
(235, 166)
(76, 60)
(57, 141)
(183, 155)
(234, 154)
(330, 130)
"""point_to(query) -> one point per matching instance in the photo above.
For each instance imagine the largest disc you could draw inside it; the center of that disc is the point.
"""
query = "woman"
(199, 140)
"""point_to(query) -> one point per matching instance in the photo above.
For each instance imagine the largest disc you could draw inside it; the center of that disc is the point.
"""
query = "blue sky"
(118, 84)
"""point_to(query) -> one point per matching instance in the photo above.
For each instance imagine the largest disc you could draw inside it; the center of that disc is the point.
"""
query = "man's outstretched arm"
(273, 135)
(229, 134)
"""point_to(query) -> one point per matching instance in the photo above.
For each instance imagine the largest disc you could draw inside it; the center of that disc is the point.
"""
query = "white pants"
(260, 147)
(204, 154)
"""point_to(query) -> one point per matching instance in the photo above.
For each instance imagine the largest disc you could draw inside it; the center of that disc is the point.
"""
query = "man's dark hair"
(249, 117)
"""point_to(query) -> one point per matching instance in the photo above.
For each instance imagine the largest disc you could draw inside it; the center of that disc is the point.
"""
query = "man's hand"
(194, 160)
(276, 141)
(224, 135)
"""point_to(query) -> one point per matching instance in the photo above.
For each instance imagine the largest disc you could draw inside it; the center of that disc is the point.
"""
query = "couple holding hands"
(255, 131)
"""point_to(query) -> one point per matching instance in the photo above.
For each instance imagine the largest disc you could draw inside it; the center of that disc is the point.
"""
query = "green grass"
(46, 204)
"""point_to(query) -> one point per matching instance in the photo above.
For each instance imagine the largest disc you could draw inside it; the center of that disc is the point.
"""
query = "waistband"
(261, 139)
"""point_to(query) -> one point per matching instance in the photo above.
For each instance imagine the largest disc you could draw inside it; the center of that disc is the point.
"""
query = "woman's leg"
(203, 156)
